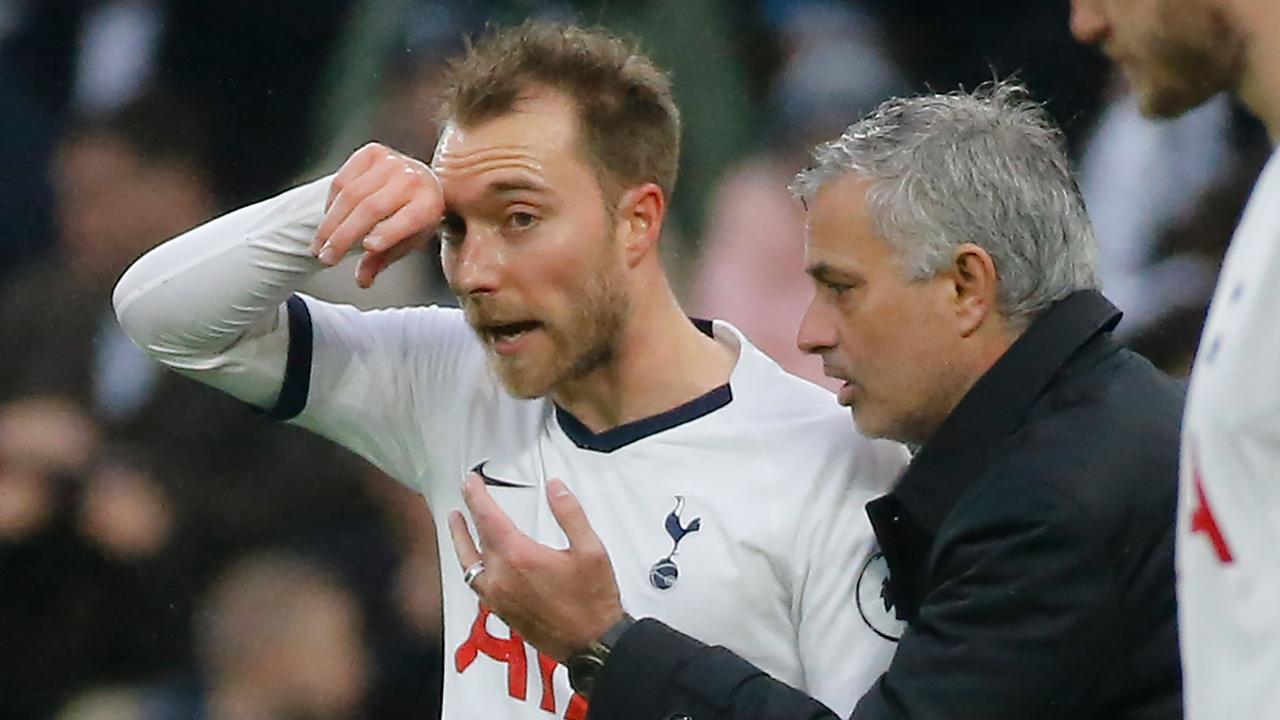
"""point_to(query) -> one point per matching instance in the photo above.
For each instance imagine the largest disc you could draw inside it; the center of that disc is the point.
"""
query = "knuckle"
(379, 206)
(418, 215)
(520, 560)
(419, 173)
(428, 205)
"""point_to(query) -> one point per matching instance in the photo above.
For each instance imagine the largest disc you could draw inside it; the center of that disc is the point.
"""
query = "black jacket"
(1030, 552)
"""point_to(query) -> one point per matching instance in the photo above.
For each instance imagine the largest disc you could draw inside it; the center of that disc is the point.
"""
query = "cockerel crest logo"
(664, 573)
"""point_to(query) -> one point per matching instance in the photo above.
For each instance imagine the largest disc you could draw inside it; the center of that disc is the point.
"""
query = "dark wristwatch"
(586, 666)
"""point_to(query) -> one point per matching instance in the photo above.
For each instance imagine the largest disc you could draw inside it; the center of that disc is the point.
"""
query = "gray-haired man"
(1029, 545)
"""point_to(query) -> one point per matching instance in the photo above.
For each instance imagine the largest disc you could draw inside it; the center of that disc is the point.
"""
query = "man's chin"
(521, 385)
(866, 424)
(1164, 106)
(522, 392)
(522, 389)
(1163, 102)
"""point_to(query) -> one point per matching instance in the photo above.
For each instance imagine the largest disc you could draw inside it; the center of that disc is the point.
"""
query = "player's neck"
(662, 361)
(1260, 86)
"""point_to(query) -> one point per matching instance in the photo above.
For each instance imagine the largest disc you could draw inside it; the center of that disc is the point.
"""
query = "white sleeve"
(842, 655)
(218, 304)
(210, 302)
(363, 379)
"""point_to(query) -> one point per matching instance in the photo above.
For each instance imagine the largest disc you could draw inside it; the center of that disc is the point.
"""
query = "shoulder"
(1100, 447)
(411, 332)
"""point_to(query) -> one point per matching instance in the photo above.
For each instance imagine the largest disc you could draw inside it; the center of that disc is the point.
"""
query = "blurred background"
(164, 554)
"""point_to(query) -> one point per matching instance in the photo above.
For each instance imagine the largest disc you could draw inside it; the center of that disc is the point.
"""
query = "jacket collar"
(995, 406)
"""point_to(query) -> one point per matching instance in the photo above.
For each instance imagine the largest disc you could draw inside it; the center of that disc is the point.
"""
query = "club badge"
(664, 573)
(875, 599)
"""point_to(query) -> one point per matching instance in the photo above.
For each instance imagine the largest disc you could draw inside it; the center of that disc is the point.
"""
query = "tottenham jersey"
(1229, 506)
(736, 518)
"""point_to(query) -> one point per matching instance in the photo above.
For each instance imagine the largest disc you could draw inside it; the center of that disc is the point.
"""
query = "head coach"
(1027, 566)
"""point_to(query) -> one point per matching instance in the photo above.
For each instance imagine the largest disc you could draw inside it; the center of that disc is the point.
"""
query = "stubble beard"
(580, 345)
(1190, 68)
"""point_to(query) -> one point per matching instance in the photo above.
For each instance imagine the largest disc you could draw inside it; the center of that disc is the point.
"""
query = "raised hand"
(388, 202)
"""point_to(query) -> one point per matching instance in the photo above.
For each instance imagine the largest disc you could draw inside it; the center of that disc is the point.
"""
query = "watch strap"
(613, 634)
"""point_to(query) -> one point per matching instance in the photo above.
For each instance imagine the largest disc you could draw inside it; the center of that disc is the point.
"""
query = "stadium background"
(164, 554)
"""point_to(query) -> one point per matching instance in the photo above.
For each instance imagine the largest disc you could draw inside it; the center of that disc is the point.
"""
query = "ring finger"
(464, 546)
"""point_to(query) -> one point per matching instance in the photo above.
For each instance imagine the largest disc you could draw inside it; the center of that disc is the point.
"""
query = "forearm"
(209, 302)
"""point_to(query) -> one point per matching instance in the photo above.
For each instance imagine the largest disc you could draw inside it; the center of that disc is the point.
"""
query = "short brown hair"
(626, 115)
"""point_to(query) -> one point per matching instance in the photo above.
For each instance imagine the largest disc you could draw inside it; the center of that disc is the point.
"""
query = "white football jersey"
(1229, 505)
(737, 518)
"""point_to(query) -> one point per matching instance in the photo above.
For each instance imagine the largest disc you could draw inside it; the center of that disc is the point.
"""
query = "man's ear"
(977, 287)
(641, 210)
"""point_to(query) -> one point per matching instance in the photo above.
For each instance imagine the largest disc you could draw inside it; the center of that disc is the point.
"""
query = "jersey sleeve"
(210, 303)
(219, 304)
(381, 383)
(841, 652)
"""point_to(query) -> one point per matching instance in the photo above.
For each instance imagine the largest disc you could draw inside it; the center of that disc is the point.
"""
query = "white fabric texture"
(1229, 506)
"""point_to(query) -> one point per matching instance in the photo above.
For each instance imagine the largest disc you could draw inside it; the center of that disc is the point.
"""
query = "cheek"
(898, 335)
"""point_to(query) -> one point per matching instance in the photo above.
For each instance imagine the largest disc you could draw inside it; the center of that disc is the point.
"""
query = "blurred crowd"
(166, 554)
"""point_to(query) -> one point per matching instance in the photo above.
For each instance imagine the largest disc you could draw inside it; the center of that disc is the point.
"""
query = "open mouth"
(505, 337)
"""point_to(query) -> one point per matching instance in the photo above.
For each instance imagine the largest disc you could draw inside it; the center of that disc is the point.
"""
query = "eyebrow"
(825, 272)
(820, 271)
(514, 186)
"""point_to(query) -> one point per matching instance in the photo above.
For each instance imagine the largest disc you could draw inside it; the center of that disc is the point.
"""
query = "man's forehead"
(537, 123)
(457, 154)
(839, 234)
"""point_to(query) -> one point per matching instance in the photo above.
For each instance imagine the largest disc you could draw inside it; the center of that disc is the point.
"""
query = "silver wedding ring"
(470, 574)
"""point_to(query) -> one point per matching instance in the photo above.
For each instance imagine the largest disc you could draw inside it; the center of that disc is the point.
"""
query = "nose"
(473, 266)
(1088, 22)
(817, 332)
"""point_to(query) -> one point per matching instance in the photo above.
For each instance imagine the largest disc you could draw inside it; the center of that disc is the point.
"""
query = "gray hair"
(987, 168)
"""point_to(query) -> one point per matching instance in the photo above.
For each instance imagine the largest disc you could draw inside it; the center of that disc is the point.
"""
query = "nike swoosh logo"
(493, 481)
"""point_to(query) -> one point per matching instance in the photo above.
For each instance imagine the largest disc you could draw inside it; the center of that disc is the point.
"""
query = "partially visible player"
(729, 494)
(1176, 54)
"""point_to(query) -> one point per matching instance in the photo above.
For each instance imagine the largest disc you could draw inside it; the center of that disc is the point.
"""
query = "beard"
(559, 350)
(1186, 69)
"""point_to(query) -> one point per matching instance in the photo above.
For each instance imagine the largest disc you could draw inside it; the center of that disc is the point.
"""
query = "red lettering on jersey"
(507, 650)
(547, 666)
(577, 708)
(1202, 519)
(511, 651)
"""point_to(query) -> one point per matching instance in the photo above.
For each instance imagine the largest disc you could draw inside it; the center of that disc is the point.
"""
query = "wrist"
(587, 664)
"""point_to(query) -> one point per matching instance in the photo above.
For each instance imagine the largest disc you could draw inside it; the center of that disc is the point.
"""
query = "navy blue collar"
(623, 435)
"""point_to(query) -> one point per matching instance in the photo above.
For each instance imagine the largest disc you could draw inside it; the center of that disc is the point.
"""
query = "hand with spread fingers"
(384, 200)
(560, 601)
